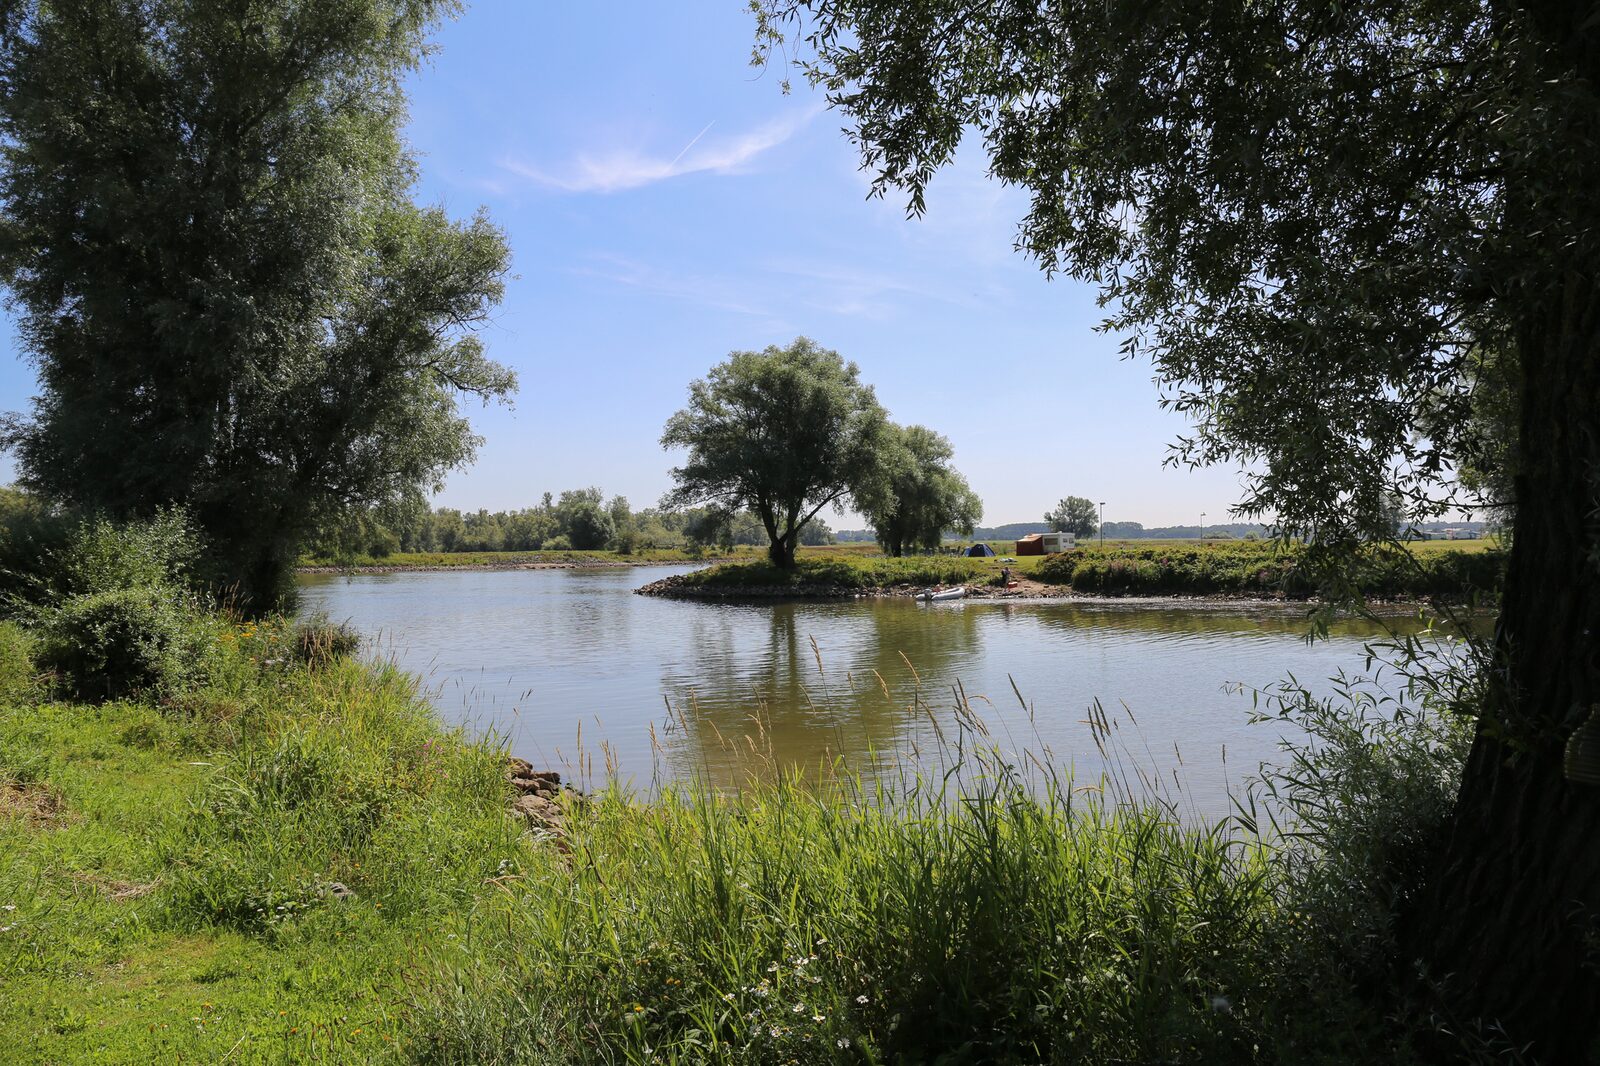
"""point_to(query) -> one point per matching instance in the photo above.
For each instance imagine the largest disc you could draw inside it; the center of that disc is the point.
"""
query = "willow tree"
(925, 497)
(782, 433)
(1318, 220)
(232, 301)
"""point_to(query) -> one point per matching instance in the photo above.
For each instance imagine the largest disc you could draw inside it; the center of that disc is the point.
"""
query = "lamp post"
(1202, 525)
(1102, 523)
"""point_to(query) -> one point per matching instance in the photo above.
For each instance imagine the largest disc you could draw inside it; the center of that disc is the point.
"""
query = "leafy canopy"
(1318, 220)
(782, 432)
(233, 304)
(926, 497)
(1076, 515)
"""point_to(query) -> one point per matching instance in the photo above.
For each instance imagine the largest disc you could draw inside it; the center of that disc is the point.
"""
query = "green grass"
(1178, 567)
(164, 870)
(830, 571)
(798, 924)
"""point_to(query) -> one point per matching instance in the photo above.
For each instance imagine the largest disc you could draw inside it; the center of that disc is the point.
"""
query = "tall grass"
(1267, 568)
(793, 923)
(994, 912)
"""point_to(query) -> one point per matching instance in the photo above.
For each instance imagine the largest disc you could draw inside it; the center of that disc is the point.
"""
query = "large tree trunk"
(780, 554)
(1512, 923)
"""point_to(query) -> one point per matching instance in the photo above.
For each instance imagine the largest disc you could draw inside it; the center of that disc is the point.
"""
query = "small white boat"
(933, 595)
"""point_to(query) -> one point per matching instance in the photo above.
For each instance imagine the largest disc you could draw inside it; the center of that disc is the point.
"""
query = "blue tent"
(980, 550)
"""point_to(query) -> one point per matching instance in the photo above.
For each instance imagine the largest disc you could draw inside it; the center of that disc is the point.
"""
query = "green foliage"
(318, 641)
(19, 676)
(584, 519)
(114, 613)
(1362, 800)
(783, 432)
(839, 573)
(798, 923)
(231, 299)
(1190, 568)
(1074, 514)
(106, 556)
(925, 497)
(1201, 169)
(126, 642)
(30, 535)
(1271, 569)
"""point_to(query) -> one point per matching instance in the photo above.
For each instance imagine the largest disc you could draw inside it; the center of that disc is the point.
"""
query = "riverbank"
(294, 862)
(231, 840)
(283, 856)
(1236, 571)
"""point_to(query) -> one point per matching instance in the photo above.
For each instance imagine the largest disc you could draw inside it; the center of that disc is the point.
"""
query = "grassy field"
(166, 873)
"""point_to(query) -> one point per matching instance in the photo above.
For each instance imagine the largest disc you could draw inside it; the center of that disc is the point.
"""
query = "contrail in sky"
(692, 143)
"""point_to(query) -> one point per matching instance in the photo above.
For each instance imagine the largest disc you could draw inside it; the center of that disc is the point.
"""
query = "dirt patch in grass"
(33, 803)
(116, 890)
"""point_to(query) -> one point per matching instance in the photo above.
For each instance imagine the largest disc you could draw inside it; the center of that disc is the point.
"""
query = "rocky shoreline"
(541, 799)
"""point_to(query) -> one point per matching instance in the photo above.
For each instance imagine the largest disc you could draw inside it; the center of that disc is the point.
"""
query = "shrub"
(627, 541)
(19, 678)
(317, 641)
(125, 642)
(1361, 805)
(106, 556)
(558, 543)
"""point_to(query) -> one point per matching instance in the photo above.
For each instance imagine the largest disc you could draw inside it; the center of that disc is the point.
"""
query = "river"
(576, 672)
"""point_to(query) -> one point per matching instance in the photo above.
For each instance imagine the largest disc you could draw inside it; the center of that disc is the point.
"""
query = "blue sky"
(667, 204)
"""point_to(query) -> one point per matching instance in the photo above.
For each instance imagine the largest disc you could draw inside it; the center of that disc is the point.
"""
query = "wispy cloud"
(721, 293)
(627, 167)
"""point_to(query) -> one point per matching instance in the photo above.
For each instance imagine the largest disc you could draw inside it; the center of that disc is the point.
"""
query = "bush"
(627, 541)
(1361, 806)
(106, 556)
(19, 678)
(318, 641)
(558, 543)
(126, 642)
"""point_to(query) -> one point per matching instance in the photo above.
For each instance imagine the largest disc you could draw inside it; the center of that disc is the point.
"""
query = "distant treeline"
(1138, 531)
(576, 520)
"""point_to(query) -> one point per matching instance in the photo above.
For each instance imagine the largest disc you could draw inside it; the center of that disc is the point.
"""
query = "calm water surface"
(538, 656)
